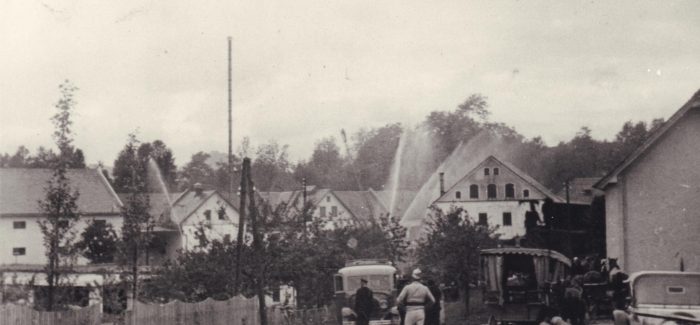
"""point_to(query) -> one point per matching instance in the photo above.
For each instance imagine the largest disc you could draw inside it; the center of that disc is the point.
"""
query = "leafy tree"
(451, 248)
(451, 128)
(72, 157)
(272, 169)
(60, 202)
(127, 168)
(135, 154)
(44, 158)
(137, 219)
(375, 152)
(163, 157)
(19, 158)
(327, 168)
(98, 242)
(196, 171)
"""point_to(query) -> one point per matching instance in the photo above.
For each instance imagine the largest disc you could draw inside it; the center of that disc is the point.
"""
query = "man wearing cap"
(415, 297)
(364, 303)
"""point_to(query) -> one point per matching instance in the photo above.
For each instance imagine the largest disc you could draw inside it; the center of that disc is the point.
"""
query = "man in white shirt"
(415, 296)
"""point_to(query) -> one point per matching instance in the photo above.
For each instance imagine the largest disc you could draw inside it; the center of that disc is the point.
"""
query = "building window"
(474, 191)
(19, 251)
(526, 193)
(486, 171)
(222, 213)
(207, 215)
(507, 219)
(491, 191)
(495, 171)
(510, 191)
(458, 195)
(323, 212)
(328, 198)
(19, 224)
(102, 223)
(483, 219)
(587, 192)
(334, 211)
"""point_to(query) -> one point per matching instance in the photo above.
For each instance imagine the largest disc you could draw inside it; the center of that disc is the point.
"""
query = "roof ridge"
(692, 103)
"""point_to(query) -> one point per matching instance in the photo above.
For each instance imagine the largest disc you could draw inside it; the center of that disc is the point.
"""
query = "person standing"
(432, 313)
(364, 303)
(416, 297)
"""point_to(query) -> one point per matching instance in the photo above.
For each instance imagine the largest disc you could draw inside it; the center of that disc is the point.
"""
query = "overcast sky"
(305, 69)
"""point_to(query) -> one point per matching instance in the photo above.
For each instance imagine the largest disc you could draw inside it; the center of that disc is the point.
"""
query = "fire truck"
(381, 279)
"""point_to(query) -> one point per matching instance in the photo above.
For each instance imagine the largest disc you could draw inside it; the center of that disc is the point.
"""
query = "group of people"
(570, 294)
(418, 303)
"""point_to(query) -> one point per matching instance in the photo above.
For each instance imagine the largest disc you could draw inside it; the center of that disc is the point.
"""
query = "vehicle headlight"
(347, 312)
(383, 304)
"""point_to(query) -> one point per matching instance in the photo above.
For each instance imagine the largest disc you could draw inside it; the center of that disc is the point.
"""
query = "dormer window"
(495, 171)
(458, 195)
(487, 172)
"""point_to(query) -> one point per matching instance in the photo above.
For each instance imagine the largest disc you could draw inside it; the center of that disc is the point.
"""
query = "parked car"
(664, 298)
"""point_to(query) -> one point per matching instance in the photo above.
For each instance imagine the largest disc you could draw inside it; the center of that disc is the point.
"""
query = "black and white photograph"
(239, 162)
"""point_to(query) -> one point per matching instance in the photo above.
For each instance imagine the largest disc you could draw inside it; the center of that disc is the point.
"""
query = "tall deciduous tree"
(137, 220)
(141, 154)
(375, 152)
(272, 169)
(196, 171)
(60, 203)
(451, 248)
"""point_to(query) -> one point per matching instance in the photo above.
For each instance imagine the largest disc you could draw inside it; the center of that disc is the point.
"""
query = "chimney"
(198, 189)
(442, 183)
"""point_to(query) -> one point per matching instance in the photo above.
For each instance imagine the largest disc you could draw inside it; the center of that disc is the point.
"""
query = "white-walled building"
(208, 210)
(497, 193)
(22, 251)
(21, 189)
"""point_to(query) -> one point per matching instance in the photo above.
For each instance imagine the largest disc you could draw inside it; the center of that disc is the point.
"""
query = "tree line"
(363, 160)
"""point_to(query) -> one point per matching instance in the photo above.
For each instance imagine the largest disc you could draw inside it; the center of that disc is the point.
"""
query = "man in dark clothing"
(432, 313)
(364, 303)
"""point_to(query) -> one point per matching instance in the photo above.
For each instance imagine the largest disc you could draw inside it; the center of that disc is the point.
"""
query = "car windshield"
(377, 282)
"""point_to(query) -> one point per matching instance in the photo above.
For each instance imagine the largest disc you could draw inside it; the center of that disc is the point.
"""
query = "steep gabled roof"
(363, 205)
(403, 199)
(22, 188)
(189, 201)
(611, 178)
(522, 175)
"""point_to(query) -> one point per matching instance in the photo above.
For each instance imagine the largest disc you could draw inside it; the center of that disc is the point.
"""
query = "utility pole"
(257, 249)
(241, 222)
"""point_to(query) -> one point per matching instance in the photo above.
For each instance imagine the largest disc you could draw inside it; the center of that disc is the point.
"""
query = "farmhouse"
(22, 253)
(498, 194)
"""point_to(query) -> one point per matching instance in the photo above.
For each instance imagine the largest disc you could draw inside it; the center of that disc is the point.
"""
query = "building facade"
(652, 199)
(498, 194)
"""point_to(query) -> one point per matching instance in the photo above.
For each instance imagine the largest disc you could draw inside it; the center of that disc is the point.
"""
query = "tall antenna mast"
(230, 124)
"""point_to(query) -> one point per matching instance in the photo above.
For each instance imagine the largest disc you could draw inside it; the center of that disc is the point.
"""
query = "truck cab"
(381, 278)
